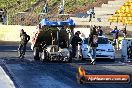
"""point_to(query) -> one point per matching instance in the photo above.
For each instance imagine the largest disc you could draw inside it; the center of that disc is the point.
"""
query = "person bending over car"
(93, 44)
(24, 40)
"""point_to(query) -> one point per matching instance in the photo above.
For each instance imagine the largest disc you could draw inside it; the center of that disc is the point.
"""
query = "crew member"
(24, 40)
(93, 44)
(74, 42)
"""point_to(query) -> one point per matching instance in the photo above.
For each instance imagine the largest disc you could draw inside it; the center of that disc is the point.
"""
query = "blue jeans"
(92, 53)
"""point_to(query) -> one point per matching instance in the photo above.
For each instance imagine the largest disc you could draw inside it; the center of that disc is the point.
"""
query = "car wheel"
(36, 53)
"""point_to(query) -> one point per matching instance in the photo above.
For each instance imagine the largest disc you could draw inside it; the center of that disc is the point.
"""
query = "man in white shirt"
(61, 9)
(91, 13)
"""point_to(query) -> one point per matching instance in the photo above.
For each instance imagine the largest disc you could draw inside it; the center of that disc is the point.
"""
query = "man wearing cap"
(24, 40)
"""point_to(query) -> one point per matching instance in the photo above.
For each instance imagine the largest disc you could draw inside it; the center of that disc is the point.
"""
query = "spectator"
(45, 9)
(4, 17)
(1, 11)
(100, 31)
(115, 33)
(61, 9)
(79, 45)
(91, 14)
(124, 32)
(74, 42)
(24, 40)
(93, 44)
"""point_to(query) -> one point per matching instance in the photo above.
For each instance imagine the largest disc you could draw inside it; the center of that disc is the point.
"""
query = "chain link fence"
(31, 19)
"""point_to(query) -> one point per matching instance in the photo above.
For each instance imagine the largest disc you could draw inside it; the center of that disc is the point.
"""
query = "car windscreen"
(102, 40)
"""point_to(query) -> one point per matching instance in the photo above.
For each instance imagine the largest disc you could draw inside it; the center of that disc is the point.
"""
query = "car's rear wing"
(45, 27)
(46, 22)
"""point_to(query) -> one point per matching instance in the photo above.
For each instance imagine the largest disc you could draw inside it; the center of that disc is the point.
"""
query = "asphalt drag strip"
(62, 75)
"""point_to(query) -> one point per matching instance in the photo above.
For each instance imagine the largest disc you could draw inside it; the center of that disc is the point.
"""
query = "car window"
(102, 40)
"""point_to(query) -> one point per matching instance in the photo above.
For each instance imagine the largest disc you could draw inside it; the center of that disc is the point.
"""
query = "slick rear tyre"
(36, 53)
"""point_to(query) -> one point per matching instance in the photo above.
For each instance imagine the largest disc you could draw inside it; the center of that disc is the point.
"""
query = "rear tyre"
(36, 53)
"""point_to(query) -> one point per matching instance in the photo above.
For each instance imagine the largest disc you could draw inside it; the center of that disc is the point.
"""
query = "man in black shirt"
(24, 40)
(74, 42)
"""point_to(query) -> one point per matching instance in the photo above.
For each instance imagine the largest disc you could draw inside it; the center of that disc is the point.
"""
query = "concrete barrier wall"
(12, 32)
